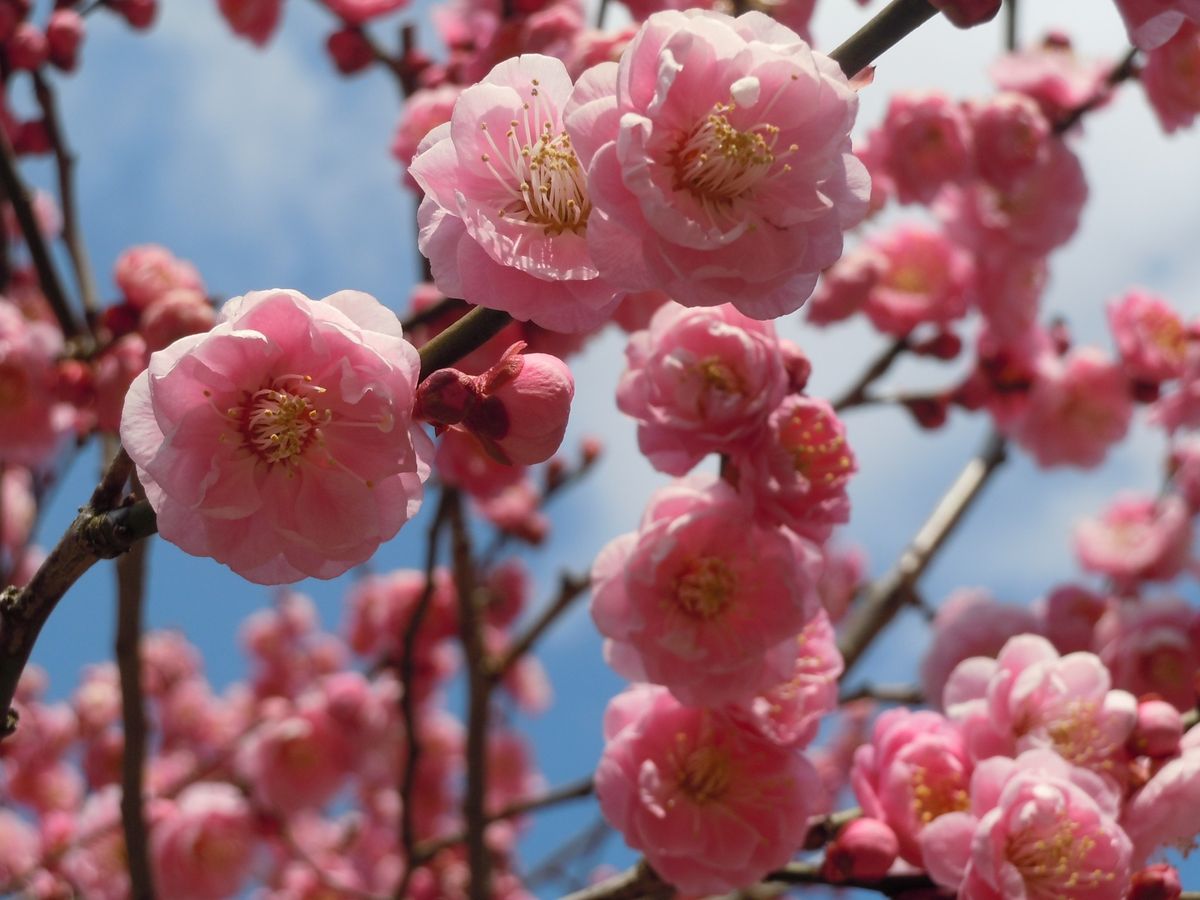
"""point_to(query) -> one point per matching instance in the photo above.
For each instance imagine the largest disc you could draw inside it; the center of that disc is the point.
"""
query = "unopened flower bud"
(527, 399)
(967, 13)
(27, 47)
(350, 51)
(445, 397)
(139, 14)
(1158, 731)
(945, 345)
(796, 364)
(929, 412)
(64, 34)
(865, 849)
(1159, 882)
(590, 450)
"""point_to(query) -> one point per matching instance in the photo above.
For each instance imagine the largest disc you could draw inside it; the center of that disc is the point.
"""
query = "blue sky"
(267, 170)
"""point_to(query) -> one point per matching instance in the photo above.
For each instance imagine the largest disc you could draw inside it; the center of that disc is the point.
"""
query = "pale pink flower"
(1067, 617)
(970, 622)
(177, 313)
(516, 510)
(1152, 646)
(1029, 697)
(591, 47)
(914, 769)
(202, 843)
(1053, 75)
(1150, 335)
(699, 381)
(924, 144)
(1171, 77)
(925, 279)
(1037, 828)
(19, 847)
(1011, 137)
(1180, 408)
(280, 443)
(846, 286)
(147, 272)
(790, 713)
(358, 12)
(1137, 539)
(1078, 407)
(506, 211)
(702, 599)
(113, 371)
(1163, 813)
(713, 807)
(1151, 23)
(423, 111)
(796, 474)
(1159, 730)
(99, 868)
(719, 161)
(33, 422)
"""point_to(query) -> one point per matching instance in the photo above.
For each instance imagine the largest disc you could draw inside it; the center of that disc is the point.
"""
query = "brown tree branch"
(893, 23)
(856, 394)
(570, 587)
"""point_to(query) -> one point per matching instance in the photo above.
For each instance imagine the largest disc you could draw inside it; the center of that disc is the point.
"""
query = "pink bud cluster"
(247, 786)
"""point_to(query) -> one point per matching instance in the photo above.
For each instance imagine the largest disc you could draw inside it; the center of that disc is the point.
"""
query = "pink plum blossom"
(699, 381)
(1067, 617)
(719, 162)
(796, 474)
(968, 13)
(462, 462)
(1180, 407)
(702, 599)
(1171, 77)
(865, 849)
(1037, 828)
(924, 144)
(202, 843)
(1008, 290)
(1159, 730)
(1011, 137)
(147, 272)
(713, 807)
(1053, 75)
(1150, 336)
(1151, 23)
(1029, 697)
(33, 422)
(506, 211)
(280, 443)
(846, 286)
(914, 769)
(925, 279)
(1078, 407)
(1152, 647)
(423, 111)
(1162, 814)
(1137, 539)
(177, 313)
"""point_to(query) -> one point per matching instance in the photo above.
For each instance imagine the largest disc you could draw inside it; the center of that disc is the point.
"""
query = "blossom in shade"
(202, 843)
(506, 211)
(712, 806)
(796, 474)
(280, 443)
(924, 144)
(1151, 23)
(1150, 336)
(177, 313)
(33, 422)
(925, 279)
(1078, 407)
(1171, 77)
(702, 599)
(970, 622)
(423, 111)
(18, 847)
(1137, 539)
(1152, 646)
(719, 161)
(1037, 828)
(914, 769)
(1067, 617)
(699, 381)
(1029, 697)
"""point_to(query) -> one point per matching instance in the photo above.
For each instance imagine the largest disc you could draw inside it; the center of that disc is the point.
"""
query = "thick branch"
(1122, 71)
(903, 694)
(131, 589)
(18, 196)
(893, 23)
(889, 885)
(639, 883)
(886, 596)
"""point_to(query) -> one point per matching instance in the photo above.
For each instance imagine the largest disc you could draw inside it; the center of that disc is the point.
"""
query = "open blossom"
(202, 843)
(1053, 75)
(699, 381)
(926, 279)
(914, 769)
(32, 421)
(719, 161)
(713, 806)
(1067, 617)
(1171, 77)
(1030, 697)
(1150, 335)
(1011, 136)
(703, 600)
(923, 144)
(280, 443)
(1152, 23)
(506, 211)
(1152, 646)
(1037, 828)
(1163, 813)
(147, 272)
(1137, 539)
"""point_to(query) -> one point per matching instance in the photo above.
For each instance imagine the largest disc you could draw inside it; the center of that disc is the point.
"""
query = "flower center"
(1052, 859)
(718, 163)
(1076, 729)
(280, 421)
(705, 774)
(1167, 333)
(936, 797)
(706, 589)
(718, 375)
(818, 452)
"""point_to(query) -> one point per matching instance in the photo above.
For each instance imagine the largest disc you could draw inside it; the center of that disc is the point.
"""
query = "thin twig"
(381, 56)
(885, 597)
(18, 196)
(903, 694)
(579, 847)
(131, 589)
(65, 162)
(478, 703)
(893, 23)
(1122, 71)
(569, 587)
(639, 883)
(1010, 25)
(856, 394)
